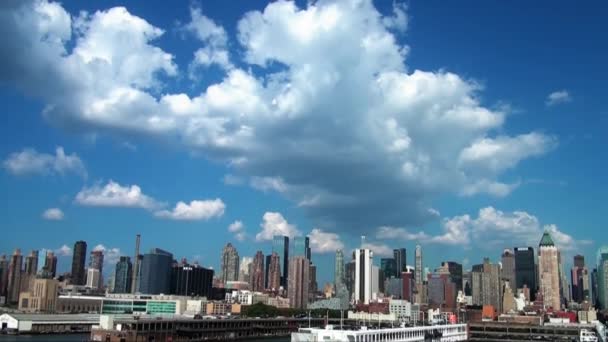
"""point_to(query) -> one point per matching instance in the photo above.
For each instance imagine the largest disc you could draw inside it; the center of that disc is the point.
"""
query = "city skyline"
(198, 141)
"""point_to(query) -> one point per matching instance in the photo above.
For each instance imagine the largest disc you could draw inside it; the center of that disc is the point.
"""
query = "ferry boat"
(448, 332)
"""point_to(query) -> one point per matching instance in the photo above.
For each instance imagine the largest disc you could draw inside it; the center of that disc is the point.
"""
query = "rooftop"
(546, 240)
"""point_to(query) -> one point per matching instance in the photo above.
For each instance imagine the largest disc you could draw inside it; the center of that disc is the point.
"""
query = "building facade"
(548, 272)
(418, 268)
(363, 276)
(486, 289)
(525, 269)
(96, 262)
(191, 280)
(230, 264)
(256, 282)
(400, 257)
(601, 277)
(508, 267)
(274, 272)
(78, 260)
(298, 288)
(14, 277)
(301, 247)
(339, 269)
(123, 274)
(389, 267)
(41, 297)
(155, 275)
(280, 245)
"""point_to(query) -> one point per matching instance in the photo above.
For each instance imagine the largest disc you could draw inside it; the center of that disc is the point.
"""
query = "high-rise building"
(579, 261)
(31, 263)
(230, 264)
(78, 260)
(3, 276)
(245, 268)
(96, 262)
(508, 267)
(407, 283)
(123, 274)
(50, 265)
(418, 268)
(548, 272)
(93, 278)
(349, 277)
(602, 277)
(486, 287)
(312, 280)
(579, 277)
(41, 296)
(301, 246)
(191, 280)
(137, 259)
(280, 245)
(14, 277)
(41, 261)
(297, 290)
(441, 291)
(363, 275)
(266, 270)
(256, 282)
(455, 271)
(274, 272)
(525, 269)
(400, 257)
(467, 283)
(389, 267)
(155, 277)
(339, 269)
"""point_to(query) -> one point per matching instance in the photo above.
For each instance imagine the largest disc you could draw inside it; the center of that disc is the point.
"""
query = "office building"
(280, 245)
(486, 285)
(266, 269)
(601, 277)
(123, 274)
(298, 287)
(339, 269)
(579, 261)
(96, 262)
(363, 276)
(230, 264)
(548, 272)
(155, 275)
(41, 297)
(31, 263)
(508, 267)
(14, 277)
(400, 257)
(274, 272)
(137, 260)
(191, 280)
(245, 268)
(525, 269)
(454, 269)
(312, 280)
(441, 292)
(78, 259)
(579, 277)
(408, 283)
(50, 265)
(418, 269)
(349, 277)
(389, 267)
(256, 282)
(3, 277)
(41, 261)
(301, 247)
(93, 278)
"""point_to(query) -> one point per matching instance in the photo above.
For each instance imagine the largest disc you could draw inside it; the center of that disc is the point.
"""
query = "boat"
(445, 332)
(587, 335)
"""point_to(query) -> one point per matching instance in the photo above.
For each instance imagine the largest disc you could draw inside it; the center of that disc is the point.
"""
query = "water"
(83, 338)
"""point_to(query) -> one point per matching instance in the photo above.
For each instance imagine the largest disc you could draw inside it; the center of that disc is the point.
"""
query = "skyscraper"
(389, 267)
(31, 263)
(579, 277)
(407, 283)
(280, 245)
(123, 275)
(266, 271)
(602, 277)
(301, 246)
(96, 262)
(41, 261)
(230, 264)
(274, 272)
(312, 280)
(14, 277)
(508, 267)
(78, 259)
(579, 261)
(525, 269)
(93, 278)
(548, 272)
(155, 277)
(349, 277)
(486, 288)
(50, 265)
(400, 257)
(299, 269)
(3, 276)
(455, 271)
(256, 282)
(137, 259)
(339, 269)
(191, 280)
(418, 268)
(363, 275)
(245, 268)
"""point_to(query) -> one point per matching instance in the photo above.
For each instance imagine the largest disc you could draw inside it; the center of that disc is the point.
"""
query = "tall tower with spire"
(549, 272)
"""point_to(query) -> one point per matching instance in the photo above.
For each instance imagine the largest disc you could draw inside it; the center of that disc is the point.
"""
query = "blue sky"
(465, 127)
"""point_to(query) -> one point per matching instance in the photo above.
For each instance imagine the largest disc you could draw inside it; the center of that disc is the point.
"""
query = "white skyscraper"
(363, 275)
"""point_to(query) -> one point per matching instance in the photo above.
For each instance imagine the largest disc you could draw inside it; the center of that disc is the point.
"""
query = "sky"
(465, 127)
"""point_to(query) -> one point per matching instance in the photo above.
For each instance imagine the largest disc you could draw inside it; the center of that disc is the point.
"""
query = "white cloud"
(390, 233)
(110, 255)
(324, 242)
(230, 179)
(268, 184)
(53, 214)
(496, 189)
(115, 195)
(214, 38)
(195, 210)
(347, 133)
(30, 161)
(274, 223)
(64, 250)
(238, 228)
(557, 97)
(380, 250)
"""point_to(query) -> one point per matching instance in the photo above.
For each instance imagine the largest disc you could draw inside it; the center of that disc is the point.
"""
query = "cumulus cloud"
(53, 214)
(29, 161)
(195, 210)
(110, 255)
(557, 97)
(348, 133)
(379, 249)
(115, 195)
(274, 223)
(214, 38)
(324, 242)
(268, 184)
(64, 250)
(238, 229)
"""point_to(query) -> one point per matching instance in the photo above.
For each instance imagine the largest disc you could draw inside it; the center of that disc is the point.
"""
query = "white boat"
(448, 332)
(587, 335)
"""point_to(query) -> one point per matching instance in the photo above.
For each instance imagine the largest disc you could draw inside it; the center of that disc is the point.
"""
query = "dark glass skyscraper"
(455, 270)
(123, 275)
(389, 267)
(400, 257)
(280, 245)
(156, 272)
(525, 269)
(301, 247)
(191, 280)
(78, 259)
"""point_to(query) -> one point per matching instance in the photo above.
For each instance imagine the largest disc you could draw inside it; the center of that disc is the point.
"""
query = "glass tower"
(525, 269)
(280, 245)
(156, 272)
(123, 275)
